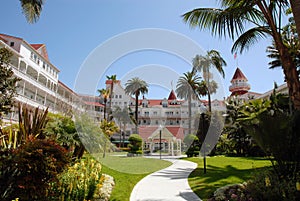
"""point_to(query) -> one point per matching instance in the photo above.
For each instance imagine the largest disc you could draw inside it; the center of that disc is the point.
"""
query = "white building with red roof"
(239, 86)
(39, 85)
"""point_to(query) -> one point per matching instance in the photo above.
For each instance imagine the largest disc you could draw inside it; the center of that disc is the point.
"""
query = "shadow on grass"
(204, 185)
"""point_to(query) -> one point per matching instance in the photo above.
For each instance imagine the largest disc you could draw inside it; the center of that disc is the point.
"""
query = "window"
(116, 96)
(12, 44)
(120, 96)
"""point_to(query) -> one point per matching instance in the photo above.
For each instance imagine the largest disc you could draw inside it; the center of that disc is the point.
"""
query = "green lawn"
(222, 171)
(127, 171)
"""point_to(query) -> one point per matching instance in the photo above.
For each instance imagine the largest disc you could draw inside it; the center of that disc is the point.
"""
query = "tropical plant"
(32, 122)
(295, 5)
(62, 129)
(122, 117)
(186, 88)
(291, 40)
(275, 130)
(79, 182)
(105, 94)
(239, 142)
(233, 18)
(8, 82)
(136, 86)
(204, 63)
(32, 9)
(108, 128)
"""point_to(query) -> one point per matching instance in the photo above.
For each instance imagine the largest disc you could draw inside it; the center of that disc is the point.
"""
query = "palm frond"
(249, 38)
(32, 9)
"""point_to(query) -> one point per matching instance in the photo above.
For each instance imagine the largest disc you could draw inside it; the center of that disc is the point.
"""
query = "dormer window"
(164, 103)
(12, 44)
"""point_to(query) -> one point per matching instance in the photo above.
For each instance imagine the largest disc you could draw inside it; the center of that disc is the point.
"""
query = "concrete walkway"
(169, 184)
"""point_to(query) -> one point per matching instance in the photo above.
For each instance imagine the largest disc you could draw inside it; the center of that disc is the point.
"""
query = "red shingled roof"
(172, 95)
(238, 75)
(36, 46)
(94, 103)
(146, 131)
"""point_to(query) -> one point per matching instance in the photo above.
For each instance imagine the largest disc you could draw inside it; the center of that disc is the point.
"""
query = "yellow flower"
(267, 181)
(298, 186)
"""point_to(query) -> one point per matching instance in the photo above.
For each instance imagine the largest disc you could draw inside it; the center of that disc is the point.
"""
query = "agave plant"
(31, 122)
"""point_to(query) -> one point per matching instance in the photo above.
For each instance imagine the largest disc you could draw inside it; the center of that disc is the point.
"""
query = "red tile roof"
(238, 75)
(146, 131)
(36, 46)
(94, 103)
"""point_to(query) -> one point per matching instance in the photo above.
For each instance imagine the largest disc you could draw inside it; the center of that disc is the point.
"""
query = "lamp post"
(203, 110)
(160, 128)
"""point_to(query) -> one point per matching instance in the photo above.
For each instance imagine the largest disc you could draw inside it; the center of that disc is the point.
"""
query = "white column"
(172, 148)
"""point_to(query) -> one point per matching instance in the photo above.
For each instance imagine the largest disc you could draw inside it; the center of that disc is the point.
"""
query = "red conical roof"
(172, 96)
(238, 75)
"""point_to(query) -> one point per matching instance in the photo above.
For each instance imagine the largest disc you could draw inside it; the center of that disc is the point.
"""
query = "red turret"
(239, 85)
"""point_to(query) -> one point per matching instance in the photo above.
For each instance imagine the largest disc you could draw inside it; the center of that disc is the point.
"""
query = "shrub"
(135, 144)
(27, 171)
(79, 182)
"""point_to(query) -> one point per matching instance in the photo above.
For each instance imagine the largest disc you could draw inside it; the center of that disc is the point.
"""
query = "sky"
(131, 38)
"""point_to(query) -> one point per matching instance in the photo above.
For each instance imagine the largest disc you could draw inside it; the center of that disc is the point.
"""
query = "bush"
(27, 171)
(79, 182)
(268, 186)
(135, 145)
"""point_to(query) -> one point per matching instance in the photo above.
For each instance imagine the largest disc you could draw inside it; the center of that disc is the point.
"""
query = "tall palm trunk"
(190, 114)
(104, 111)
(288, 65)
(295, 5)
(136, 111)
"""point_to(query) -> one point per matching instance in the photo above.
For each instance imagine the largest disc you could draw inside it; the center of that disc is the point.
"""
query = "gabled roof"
(238, 75)
(36, 46)
(172, 95)
(41, 48)
(151, 131)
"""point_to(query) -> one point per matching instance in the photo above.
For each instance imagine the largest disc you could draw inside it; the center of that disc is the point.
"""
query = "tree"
(186, 88)
(8, 82)
(122, 117)
(291, 40)
(136, 86)
(295, 5)
(232, 20)
(113, 79)
(204, 63)
(108, 128)
(104, 93)
(32, 9)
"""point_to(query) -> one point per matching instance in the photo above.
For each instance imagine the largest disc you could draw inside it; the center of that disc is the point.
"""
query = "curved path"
(169, 184)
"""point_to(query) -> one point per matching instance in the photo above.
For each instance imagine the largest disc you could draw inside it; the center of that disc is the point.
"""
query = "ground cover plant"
(222, 171)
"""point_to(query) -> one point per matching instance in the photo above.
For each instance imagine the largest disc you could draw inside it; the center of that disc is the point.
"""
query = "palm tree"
(108, 128)
(113, 79)
(121, 116)
(104, 93)
(204, 63)
(186, 88)
(135, 87)
(265, 16)
(291, 40)
(32, 9)
(295, 5)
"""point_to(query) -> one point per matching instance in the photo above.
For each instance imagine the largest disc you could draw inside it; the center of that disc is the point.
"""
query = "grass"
(222, 171)
(128, 171)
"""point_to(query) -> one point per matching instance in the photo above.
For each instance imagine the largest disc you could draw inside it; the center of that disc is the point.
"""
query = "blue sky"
(72, 29)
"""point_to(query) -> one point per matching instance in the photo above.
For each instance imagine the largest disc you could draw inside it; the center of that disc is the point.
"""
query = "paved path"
(169, 184)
